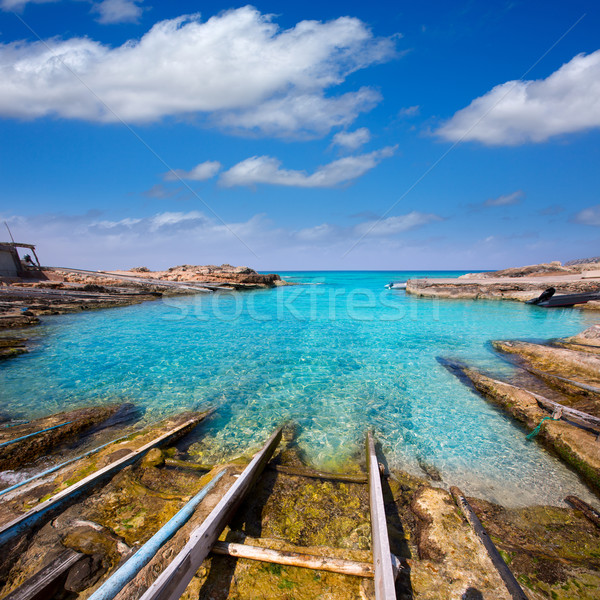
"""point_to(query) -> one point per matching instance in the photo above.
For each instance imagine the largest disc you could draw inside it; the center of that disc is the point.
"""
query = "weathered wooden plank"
(589, 511)
(567, 412)
(46, 582)
(512, 585)
(172, 582)
(33, 516)
(311, 473)
(295, 559)
(385, 588)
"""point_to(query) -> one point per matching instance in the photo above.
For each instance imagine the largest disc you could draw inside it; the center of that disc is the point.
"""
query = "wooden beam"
(385, 588)
(42, 510)
(303, 472)
(512, 585)
(589, 511)
(48, 580)
(172, 582)
(295, 559)
(284, 469)
(567, 412)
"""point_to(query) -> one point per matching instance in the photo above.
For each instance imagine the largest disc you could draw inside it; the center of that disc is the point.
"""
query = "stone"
(154, 458)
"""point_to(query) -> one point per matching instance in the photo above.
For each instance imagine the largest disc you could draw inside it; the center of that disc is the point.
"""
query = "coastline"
(520, 284)
(56, 291)
(294, 510)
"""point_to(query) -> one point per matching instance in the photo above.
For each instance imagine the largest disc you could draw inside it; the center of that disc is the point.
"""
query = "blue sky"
(301, 135)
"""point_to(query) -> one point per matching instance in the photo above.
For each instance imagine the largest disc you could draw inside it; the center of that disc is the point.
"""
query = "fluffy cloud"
(505, 200)
(395, 225)
(265, 169)
(237, 67)
(518, 112)
(201, 172)
(352, 140)
(588, 216)
(118, 11)
(95, 240)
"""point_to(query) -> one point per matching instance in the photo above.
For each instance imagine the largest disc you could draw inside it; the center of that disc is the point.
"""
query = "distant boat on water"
(396, 285)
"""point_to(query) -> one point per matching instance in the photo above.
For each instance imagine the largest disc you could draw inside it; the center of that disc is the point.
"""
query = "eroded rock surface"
(575, 446)
(566, 362)
(60, 428)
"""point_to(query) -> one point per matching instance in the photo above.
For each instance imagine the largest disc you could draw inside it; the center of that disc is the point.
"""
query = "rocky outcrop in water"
(66, 291)
(520, 284)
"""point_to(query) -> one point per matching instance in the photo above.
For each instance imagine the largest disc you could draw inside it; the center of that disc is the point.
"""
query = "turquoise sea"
(336, 355)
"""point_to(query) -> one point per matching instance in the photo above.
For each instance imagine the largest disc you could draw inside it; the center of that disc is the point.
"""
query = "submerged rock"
(573, 364)
(60, 428)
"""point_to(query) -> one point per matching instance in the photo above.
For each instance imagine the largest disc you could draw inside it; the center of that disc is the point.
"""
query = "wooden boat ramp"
(138, 518)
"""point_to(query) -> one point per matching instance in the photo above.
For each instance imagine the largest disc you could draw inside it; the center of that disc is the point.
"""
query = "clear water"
(336, 356)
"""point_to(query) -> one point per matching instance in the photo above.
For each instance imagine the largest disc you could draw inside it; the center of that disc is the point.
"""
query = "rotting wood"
(284, 469)
(34, 515)
(313, 474)
(385, 588)
(568, 413)
(47, 581)
(172, 582)
(589, 511)
(512, 585)
(186, 464)
(300, 559)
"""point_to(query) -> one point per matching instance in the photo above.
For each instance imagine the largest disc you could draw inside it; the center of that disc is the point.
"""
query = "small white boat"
(396, 285)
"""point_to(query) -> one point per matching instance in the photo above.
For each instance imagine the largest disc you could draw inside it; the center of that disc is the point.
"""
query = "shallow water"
(336, 356)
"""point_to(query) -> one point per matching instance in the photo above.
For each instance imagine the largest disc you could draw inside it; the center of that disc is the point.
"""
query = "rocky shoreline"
(553, 551)
(519, 284)
(60, 291)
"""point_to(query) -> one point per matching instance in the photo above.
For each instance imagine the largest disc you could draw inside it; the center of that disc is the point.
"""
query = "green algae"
(553, 551)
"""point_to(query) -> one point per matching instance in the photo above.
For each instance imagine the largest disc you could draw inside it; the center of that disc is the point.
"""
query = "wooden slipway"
(45, 509)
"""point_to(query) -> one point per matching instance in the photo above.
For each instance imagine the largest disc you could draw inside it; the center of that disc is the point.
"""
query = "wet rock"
(453, 561)
(72, 424)
(553, 551)
(572, 364)
(84, 574)
(575, 446)
(154, 458)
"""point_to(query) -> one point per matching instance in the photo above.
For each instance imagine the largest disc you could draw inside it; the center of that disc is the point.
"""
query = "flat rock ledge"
(518, 284)
(577, 447)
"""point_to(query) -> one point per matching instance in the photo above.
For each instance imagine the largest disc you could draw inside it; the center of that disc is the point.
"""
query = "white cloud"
(238, 68)
(300, 114)
(588, 216)
(395, 225)
(100, 241)
(518, 112)
(505, 200)
(200, 172)
(352, 140)
(266, 169)
(118, 11)
(410, 111)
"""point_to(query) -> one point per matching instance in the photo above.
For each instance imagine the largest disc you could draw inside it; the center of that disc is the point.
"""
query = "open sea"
(336, 355)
